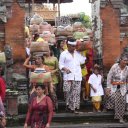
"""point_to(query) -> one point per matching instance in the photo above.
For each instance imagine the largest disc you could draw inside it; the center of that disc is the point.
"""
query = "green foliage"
(85, 19)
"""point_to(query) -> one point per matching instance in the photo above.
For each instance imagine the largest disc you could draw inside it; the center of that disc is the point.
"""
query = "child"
(95, 82)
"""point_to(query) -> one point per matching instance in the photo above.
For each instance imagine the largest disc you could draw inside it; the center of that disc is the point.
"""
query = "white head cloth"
(72, 43)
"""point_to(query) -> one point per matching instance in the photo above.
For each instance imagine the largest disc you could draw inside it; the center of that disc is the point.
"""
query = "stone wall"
(2, 36)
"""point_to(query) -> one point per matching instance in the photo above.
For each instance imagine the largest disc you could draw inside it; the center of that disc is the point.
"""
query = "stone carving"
(46, 12)
(8, 53)
(3, 11)
(62, 21)
(124, 15)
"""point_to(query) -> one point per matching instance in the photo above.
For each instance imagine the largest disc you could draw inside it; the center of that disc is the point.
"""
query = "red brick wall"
(111, 35)
(14, 32)
(14, 36)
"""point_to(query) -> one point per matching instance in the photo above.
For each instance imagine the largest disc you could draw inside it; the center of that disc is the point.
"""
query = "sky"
(75, 7)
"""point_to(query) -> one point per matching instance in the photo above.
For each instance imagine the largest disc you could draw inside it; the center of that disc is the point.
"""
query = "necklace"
(40, 98)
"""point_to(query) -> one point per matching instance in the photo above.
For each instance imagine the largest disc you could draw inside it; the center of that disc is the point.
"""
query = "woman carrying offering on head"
(37, 67)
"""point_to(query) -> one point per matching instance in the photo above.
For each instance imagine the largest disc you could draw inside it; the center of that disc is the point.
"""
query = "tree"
(85, 19)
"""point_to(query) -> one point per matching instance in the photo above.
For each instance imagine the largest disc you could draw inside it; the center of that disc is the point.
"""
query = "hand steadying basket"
(40, 77)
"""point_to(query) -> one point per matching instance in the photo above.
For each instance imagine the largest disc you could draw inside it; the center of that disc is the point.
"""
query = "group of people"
(115, 93)
(65, 67)
(64, 62)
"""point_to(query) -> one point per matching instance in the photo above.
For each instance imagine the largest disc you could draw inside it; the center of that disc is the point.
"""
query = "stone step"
(86, 117)
(84, 106)
(85, 125)
(70, 118)
(93, 125)
(61, 103)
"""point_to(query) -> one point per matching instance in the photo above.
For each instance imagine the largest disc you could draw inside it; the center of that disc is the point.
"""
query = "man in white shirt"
(69, 64)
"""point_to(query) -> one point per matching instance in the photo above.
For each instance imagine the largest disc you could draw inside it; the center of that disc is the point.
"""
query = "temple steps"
(85, 118)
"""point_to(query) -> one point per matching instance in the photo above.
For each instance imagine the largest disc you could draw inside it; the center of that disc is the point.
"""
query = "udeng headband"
(72, 43)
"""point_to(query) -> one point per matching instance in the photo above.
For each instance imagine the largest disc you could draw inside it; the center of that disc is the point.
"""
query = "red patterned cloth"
(39, 114)
(2, 88)
(89, 65)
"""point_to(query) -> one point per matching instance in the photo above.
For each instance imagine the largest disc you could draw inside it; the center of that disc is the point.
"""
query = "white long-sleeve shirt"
(71, 62)
(95, 81)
